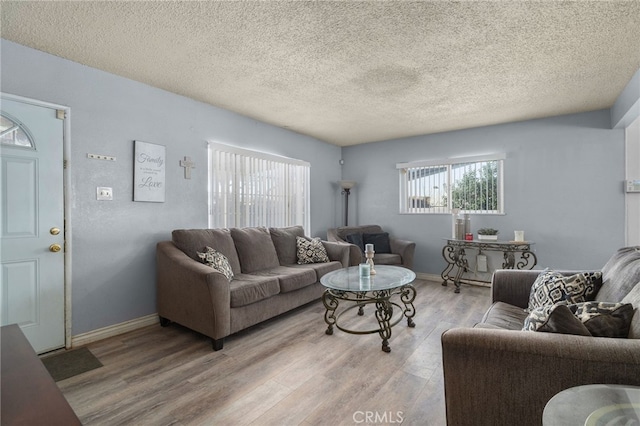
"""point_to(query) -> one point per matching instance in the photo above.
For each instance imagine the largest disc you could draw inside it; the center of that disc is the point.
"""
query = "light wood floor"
(285, 371)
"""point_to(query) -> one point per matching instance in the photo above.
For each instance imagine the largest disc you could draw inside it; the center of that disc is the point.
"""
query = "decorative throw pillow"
(552, 287)
(380, 242)
(356, 239)
(217, 261)
(311, 251)
(555, 319)
(604, 319)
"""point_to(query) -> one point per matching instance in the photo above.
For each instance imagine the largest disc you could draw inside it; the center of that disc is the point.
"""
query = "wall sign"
(148, 172)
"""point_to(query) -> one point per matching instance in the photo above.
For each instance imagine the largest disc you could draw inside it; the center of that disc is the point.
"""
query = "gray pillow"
(555, 319)
(604, 319)
(380, 242)
(284, 240)
(255, 249)
(356, 239)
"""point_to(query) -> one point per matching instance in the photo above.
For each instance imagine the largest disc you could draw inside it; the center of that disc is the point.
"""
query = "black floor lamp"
(346, 186)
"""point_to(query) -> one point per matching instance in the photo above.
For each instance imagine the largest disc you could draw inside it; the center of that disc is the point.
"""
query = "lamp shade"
(347, 184)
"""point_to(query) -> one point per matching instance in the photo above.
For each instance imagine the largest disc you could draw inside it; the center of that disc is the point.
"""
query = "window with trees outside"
(471, 184)
(251, 188)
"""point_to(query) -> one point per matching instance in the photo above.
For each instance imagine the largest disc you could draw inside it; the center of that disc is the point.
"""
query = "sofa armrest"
(332, 235)
(507, 377)
(338, 251)
(191, 293)
(405, 249)
(512, 286)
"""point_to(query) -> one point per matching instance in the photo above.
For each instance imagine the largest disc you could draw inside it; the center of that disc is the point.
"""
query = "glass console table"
(346, 285)
(454, 253)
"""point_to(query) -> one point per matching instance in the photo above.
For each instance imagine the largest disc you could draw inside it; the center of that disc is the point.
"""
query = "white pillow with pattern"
(311, 251)
(217, 261)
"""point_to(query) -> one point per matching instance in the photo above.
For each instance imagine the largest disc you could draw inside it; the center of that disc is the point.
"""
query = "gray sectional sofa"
(267, 279)
(497, 374)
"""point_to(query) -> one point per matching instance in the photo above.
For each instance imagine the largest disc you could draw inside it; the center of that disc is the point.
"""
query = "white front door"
(32, 223)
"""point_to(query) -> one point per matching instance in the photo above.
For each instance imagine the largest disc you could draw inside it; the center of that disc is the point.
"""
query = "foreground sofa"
(267, 279)
(400, 252)
(497, 374)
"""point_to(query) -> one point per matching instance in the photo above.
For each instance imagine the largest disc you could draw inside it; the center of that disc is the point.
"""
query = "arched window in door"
(13, 132)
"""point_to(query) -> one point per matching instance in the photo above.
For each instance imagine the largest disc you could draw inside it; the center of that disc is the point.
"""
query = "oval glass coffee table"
(388, 288)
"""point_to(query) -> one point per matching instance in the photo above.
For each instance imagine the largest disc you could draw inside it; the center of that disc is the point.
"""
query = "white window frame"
(251, 180)
(447, 165)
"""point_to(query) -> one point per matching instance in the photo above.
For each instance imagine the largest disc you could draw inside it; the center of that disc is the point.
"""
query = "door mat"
(70, 363)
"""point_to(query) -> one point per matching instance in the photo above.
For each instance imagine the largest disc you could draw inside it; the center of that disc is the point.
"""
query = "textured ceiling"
(353, 72)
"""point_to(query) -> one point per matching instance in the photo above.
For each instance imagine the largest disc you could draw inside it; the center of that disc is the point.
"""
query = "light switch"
(104, 193)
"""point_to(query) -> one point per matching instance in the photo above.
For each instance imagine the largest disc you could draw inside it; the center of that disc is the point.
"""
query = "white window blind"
(472, 184)
(250, 188)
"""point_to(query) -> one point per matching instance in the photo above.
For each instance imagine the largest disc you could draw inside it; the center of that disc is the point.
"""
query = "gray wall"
(563, 187)
(113, 243)
(627, 107)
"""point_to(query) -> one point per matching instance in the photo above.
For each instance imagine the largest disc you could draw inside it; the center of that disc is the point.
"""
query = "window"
(250, 188)
(12, 132)
(472, 184)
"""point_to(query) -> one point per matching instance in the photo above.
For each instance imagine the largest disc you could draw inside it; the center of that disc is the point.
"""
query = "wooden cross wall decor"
(188, 165)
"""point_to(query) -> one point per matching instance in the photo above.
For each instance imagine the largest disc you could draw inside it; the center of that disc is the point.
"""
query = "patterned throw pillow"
(555, 319)
(311, 251)
(217, 261)
(552, 287)
(605, 319)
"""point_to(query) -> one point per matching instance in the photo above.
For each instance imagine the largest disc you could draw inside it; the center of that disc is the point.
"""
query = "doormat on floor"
(70, 363)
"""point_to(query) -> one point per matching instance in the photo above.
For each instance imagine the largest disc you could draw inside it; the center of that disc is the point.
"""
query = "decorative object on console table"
(488, 234)
(518, 236)
(456, 257)
(454, 221)
(346, 186)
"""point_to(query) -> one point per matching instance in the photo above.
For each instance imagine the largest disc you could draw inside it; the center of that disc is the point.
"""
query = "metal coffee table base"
(384, 309)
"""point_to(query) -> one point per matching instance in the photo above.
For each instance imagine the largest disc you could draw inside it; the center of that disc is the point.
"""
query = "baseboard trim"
(438, 278)
(113, 330)
(428, 277)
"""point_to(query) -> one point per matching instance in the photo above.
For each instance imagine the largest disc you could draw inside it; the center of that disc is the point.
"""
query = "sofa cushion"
(289, 278)
(380, 241)
(192, 241)
(604, 319)
(634, 298)
(620, 274)
(505, 316)
(356, 239)
(255, 249)
(551, 287)
(217, 261)
(311, 251)
(284, 240)
(246, 289)
(555, 319)
(320, 268)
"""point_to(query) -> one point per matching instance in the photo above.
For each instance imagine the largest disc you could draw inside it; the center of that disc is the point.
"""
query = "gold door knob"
(54, 231)
(55, 248)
